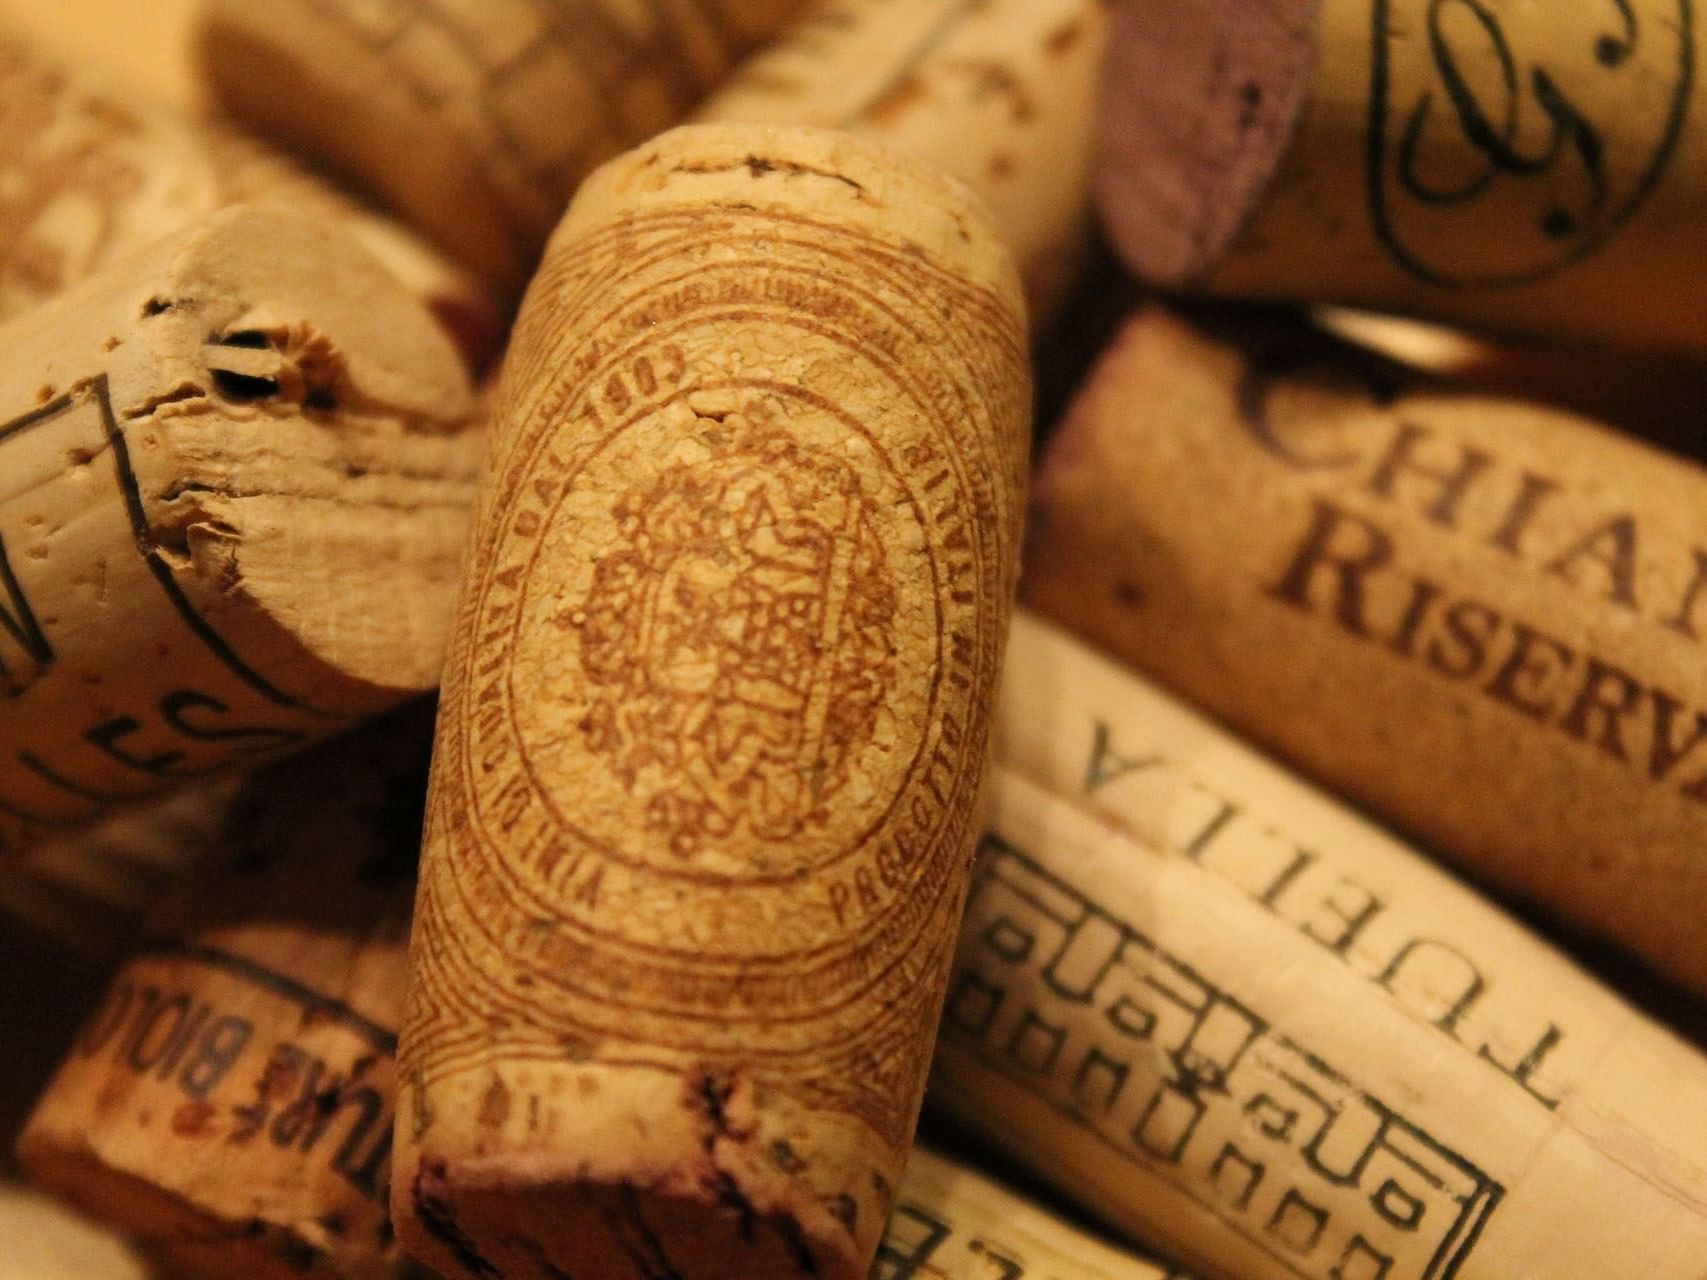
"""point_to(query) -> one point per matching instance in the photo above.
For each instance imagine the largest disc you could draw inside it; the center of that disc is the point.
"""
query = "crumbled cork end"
(322, 455)
(1200, 103)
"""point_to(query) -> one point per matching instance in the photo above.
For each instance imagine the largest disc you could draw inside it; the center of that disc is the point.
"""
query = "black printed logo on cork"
(1544, 127)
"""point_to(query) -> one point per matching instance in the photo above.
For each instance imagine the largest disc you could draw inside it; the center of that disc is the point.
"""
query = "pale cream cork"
(240, 466)
(90, 173)
(1479, 617)
(999, 93)
(228, 1104)
(1519, 167)
(1243, 1024)
(715, 720)
(476, 119)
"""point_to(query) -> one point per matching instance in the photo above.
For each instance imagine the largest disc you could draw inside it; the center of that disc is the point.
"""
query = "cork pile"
(559, 722)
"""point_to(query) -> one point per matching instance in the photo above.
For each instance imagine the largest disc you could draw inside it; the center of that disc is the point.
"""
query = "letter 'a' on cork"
(476, 119)
(228, 1104)
(91, 174)
(1243, 1024)
(1521, 167)
(716, 718)
(999, 94)
(1479, 618)
(238, 469)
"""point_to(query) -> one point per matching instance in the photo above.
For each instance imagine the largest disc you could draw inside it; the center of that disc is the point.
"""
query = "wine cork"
(1480, 618)
(1514, 166)
(715, 718)
(999, 94)
(91, 175)
(240, 467)
(476, 119)
(1236, 1019)
(952, 1223)
(229, 1102)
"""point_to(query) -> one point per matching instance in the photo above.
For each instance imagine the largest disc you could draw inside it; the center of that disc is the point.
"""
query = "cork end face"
(1199, 105)
(811, 172)
(480, 1226)
(309, 478)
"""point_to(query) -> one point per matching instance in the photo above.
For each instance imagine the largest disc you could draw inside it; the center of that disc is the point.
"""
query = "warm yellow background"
(147, 42)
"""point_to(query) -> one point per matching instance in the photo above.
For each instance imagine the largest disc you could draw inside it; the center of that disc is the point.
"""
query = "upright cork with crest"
(704, 793)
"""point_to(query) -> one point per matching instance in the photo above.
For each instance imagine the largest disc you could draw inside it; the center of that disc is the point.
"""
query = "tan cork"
(476, 119)
(1481, 618)
(228, 1104)
(1523, 167)
(1243, 1024)
(998, 93)
(715, 720)
(89, 174)
(239, 469)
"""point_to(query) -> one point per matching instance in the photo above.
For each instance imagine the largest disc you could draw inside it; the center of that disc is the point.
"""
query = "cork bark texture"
(715, 719)
(228, 1105)
(1524, 167)
(476, 119)
(239, 472)
(1479, 618)
(92, 173)
(998, 93)
(1241, 1022)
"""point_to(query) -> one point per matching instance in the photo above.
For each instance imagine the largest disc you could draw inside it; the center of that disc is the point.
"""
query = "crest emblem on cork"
(738, 641)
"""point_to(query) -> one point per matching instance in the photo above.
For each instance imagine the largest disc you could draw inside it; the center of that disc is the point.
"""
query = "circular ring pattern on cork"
(718, 714)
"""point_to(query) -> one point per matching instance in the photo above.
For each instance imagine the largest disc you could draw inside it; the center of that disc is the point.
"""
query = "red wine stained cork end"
(1199, 104)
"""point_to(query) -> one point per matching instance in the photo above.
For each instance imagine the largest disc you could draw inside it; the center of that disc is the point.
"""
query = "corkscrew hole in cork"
(243, 386)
